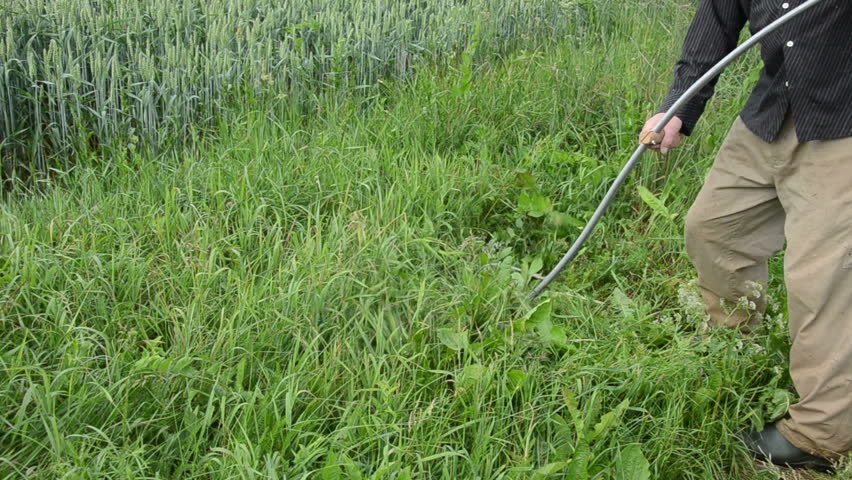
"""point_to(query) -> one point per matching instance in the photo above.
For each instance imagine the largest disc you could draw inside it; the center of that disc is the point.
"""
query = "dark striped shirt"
(807, 66)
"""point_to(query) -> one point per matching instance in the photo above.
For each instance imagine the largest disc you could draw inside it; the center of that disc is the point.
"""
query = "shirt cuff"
(689, 113)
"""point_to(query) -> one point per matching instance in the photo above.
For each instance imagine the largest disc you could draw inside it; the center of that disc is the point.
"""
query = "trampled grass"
(341, 294)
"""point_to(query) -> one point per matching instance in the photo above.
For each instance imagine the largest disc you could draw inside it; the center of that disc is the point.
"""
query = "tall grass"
(76, 74)
(340, 293)
(335, 295)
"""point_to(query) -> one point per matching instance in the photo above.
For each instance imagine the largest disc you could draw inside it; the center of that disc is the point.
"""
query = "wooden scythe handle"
(652, 138)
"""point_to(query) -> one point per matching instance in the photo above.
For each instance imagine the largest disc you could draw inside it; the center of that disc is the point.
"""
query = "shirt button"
(787, 84)
(790, 44)
(785, 6)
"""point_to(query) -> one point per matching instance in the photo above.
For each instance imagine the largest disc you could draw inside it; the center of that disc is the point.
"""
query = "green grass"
(80, 74)
(334, 295)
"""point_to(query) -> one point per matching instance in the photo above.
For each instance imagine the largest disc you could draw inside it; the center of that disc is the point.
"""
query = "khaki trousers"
(758, 196)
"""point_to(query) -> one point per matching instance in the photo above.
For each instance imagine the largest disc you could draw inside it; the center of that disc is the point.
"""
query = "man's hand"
(668, 139)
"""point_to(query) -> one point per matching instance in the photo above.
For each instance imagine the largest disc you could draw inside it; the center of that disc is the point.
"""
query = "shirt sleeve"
(713, 34)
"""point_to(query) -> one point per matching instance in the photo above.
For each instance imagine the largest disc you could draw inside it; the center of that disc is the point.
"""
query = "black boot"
(769, 445)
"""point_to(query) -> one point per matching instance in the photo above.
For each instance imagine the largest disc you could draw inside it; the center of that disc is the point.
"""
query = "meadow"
(321, 271)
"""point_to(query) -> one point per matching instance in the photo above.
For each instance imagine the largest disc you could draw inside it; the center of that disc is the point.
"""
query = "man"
(784, 173)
